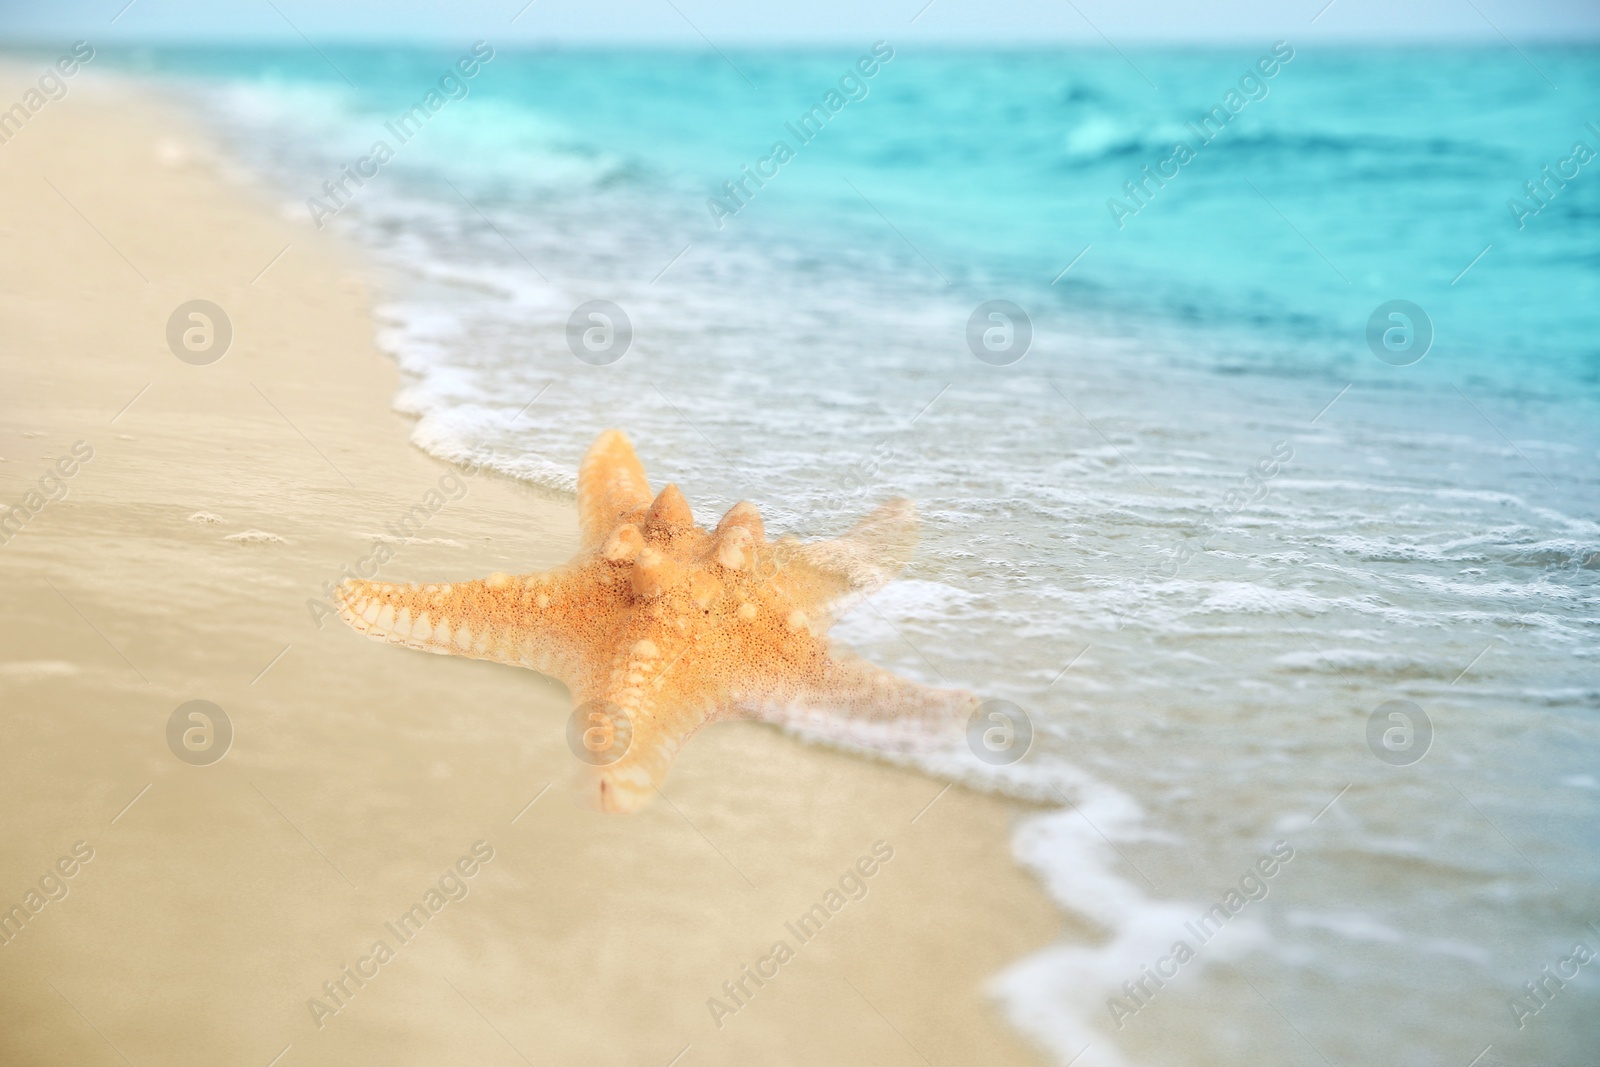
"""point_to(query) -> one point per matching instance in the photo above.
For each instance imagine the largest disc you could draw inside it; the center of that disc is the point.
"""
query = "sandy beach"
(221, 904)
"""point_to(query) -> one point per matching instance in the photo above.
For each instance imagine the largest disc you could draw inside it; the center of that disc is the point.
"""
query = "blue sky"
(737, 22)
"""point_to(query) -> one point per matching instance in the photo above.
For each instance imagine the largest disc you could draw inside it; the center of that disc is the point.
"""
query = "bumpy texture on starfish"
(658, 627)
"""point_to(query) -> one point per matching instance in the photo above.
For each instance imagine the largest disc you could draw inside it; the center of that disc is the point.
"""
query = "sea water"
(1218, 510)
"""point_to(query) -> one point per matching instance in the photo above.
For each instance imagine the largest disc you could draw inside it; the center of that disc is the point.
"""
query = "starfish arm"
(631, 722)
(655, 734)
(855, 700)
(611, 484)
(828, 576)
(533, 621)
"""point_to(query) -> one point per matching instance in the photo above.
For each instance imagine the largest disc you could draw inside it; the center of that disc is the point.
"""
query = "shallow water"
(1199, 531)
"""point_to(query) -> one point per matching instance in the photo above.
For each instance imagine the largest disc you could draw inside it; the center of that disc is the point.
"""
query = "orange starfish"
(658, 626)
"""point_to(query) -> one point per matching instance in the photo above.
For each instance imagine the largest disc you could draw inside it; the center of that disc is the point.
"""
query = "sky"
(697, 23)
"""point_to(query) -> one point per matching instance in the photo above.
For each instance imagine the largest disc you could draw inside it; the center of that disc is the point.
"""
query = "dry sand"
(217, 904)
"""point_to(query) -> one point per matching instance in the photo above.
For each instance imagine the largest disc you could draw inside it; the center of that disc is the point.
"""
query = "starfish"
(658, 627)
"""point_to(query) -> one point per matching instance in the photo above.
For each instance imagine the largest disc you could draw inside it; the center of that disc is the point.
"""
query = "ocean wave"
(1363, 926)
(1366, 661)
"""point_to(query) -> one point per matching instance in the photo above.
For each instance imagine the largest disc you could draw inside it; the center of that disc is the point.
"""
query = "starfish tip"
(669, 509)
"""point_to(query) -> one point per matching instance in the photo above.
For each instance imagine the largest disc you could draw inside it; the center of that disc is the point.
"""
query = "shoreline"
(175, 564)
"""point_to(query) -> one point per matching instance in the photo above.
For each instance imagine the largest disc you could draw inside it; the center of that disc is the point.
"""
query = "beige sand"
(219, 903)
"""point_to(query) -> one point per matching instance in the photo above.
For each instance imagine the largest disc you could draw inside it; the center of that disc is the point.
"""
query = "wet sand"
(224, 902)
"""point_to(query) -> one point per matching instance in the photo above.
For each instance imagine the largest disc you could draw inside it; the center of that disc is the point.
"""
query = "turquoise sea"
(1226, 503)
